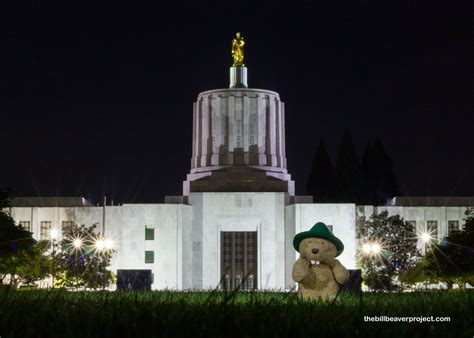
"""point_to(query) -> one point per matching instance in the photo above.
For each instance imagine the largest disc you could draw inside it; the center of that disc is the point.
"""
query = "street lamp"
(376, 248)
(53, 236)
(100, 244)
(77, 243)
(109, 244)
(104, 246)
(371, 248)
(425, 237)
(366, 248)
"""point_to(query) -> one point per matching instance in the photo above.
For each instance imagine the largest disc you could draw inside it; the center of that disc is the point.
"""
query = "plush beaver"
(317, 270)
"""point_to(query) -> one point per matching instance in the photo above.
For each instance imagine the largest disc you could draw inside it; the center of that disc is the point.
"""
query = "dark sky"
(97, 99)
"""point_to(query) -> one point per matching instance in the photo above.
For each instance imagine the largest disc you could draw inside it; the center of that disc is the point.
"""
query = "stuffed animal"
(317, 271)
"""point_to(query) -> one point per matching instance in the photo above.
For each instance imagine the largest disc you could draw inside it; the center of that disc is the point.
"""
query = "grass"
(57, 313)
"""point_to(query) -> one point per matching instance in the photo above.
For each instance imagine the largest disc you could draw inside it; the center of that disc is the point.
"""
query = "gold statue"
(238, 50)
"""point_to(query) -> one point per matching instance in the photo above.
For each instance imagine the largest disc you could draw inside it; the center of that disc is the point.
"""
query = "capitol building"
(238, 211)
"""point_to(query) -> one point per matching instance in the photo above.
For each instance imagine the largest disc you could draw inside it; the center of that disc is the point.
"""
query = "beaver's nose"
(315, 251)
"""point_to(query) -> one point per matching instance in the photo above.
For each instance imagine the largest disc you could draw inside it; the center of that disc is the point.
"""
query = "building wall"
(125, 225)
(36, 215)
(187, 237)
(261, 212)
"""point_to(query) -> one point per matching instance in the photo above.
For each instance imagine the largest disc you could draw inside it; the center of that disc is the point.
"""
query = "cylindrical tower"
(238, 138)
(240, 133)
(238, 127)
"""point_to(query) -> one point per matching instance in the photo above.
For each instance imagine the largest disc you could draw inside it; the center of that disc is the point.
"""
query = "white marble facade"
(187, 237)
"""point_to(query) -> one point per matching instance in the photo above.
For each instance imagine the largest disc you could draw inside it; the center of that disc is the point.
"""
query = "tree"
(321, 178)
(450, 260)
(387, 249)
(12, 237)
(35, 264)
(22, 259)
(366, 177)
(79, 260)
(379, 181)
(5, 197)
(347, 171)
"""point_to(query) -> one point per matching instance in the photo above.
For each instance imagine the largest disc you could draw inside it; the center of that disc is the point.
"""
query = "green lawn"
(205, 314)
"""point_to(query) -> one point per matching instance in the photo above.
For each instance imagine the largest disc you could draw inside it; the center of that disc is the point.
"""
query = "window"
(25, 225)
(432, 228)
(413, 224)
(149, 257)
(45, 229)
(453, 226)
(65, 224)
(149, 232)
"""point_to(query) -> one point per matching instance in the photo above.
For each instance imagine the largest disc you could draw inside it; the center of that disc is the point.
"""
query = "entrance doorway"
(239, 260)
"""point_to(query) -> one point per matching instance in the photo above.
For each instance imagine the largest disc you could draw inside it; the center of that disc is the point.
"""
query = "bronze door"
(239, 260)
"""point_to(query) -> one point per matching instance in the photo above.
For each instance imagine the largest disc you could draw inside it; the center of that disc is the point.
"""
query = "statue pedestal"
(238, 77)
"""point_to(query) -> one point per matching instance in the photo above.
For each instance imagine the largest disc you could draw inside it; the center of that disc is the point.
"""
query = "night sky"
(97, 99)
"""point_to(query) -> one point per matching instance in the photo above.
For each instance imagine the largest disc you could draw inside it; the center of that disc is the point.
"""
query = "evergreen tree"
(386, 182)
(320, 183)
(347, 171)
(368, 184)
(379, 181)
(5, 197)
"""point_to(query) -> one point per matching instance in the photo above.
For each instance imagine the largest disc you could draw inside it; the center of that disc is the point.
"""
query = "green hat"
(319, 230)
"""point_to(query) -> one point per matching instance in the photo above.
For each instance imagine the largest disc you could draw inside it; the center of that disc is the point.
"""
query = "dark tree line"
(369, 181)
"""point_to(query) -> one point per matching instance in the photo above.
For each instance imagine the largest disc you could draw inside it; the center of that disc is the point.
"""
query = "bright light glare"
(425, 237)
(100, 244)
(376, 248)
(77, 243)
(54, 234)
(366, 248)
(109, 244)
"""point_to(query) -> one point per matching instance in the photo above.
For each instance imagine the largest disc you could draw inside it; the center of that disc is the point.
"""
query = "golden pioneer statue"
(238, 50)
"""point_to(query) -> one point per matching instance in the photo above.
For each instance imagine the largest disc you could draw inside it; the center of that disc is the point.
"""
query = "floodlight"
(54, 234)
(425, 237)
(109, 244)
(100, 244)
(376, 248)
(366, 248)
(77, 243)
